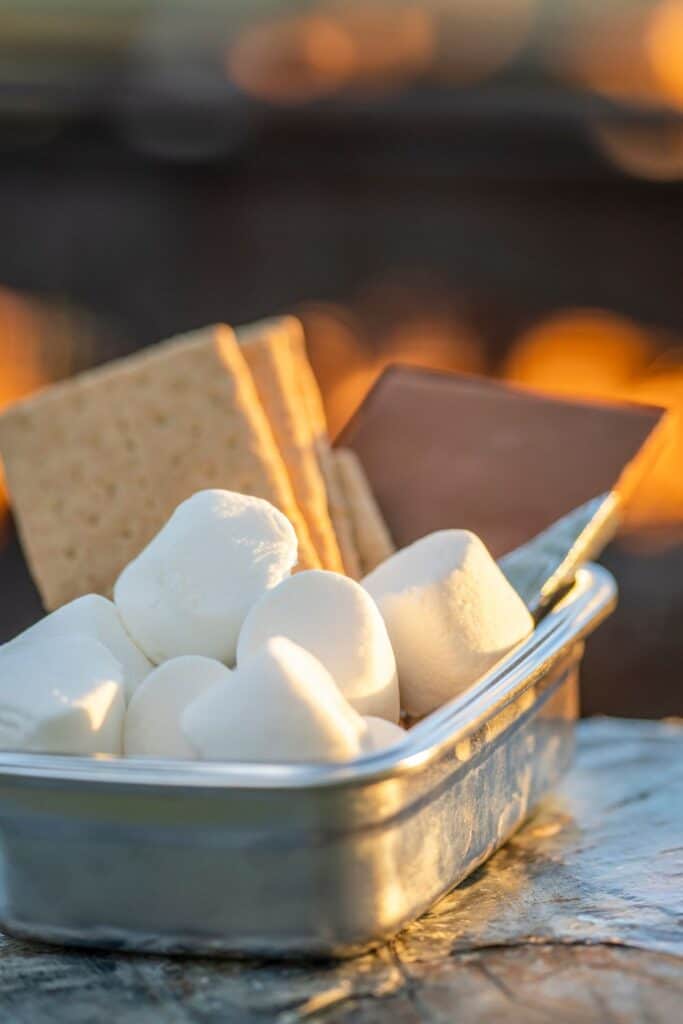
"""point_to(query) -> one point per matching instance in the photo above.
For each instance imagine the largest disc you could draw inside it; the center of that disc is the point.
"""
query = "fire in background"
(583, 353)
(596, 354)
(414, 319)
(40, 342)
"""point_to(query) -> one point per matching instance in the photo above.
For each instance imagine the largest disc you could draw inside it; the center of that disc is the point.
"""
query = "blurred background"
(487, 185)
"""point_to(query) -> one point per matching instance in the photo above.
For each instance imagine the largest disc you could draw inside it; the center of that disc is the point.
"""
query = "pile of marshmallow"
(213, 650)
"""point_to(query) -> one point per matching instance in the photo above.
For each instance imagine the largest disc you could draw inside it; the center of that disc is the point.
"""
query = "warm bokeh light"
(581, 352)
(397, 319)
(624, 50)
(660, 499)
(648, 150)
(413, 318)
(595, 354)
(390, 40)
(372, 45)
(39, 342)
(476, 39)
(291, 59)
(664, 45)
(21, 365)
(438, 343)
(340, 359)
(22, 360)
(605, 50)
(305, 56)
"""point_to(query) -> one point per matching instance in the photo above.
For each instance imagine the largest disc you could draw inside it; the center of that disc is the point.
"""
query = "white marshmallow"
(152, 726)
(61, 695)
(279, 706)
(381, 734)
(190, 589)
(334, 618)
(451, 615)
(95, 616)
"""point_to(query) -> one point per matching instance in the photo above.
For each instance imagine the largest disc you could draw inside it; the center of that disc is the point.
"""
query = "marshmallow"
(334, 618)
(450, 612)
(152, 726)
(94, 616)
(61, 695)
(381, 734)
(281, 705)
(191, 587)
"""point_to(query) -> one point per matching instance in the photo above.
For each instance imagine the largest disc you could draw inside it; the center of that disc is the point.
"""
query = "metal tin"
(292, 860)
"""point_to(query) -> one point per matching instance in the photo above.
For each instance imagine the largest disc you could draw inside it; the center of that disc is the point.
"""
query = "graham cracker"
(275, 364)
(311, 400)
(371, 532)
(339, 511)
(96, 465)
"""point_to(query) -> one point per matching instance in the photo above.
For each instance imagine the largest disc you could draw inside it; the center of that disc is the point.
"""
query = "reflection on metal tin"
(292, 860)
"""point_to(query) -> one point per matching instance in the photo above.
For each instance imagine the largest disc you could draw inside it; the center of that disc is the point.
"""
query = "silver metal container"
(292, 860)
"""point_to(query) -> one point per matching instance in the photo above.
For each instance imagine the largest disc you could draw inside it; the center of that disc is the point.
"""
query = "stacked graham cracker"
(95, 465)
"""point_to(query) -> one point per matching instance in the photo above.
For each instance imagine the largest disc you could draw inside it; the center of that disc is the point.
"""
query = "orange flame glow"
(38, 343)
(606, 51)
(347, 362)
(664, 47)
(631, 52)
(581, 352)
(21, 355)
(660, 500)
(288, 60)
(304, 56)
(651, 151)
(20, 367)
(477, 39)
(590, 353)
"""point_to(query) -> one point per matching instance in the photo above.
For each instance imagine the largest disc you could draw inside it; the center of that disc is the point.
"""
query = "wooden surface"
(577, 919)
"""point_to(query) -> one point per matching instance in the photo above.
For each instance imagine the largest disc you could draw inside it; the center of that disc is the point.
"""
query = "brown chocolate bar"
(447, 450)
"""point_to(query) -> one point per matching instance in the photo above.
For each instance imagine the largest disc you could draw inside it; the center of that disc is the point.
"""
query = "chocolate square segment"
(445, 450)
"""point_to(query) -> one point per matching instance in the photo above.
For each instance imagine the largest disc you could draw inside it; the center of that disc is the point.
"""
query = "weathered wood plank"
(521, 984)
